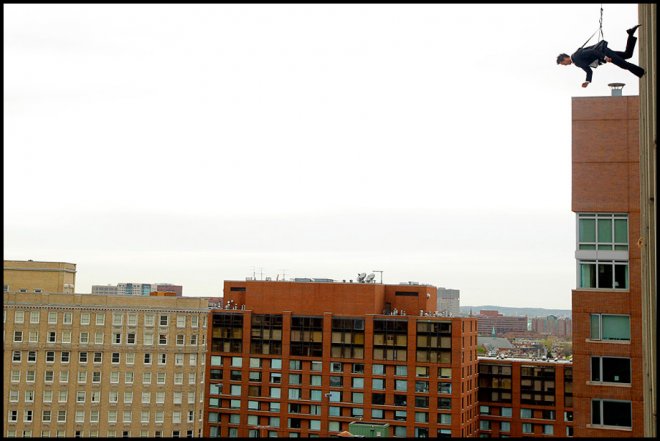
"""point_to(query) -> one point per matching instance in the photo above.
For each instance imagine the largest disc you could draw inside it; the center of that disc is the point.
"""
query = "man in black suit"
(593, 56)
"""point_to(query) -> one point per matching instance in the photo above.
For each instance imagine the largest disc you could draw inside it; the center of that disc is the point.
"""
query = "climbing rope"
(599, 31)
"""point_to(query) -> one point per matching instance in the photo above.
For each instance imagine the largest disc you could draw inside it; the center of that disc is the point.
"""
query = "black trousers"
(619, 58)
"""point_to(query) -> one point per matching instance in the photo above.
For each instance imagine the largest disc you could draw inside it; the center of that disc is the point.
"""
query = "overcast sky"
(197, 143)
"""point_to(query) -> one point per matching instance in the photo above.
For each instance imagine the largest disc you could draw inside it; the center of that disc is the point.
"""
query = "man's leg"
(630, 48)
(623, 64)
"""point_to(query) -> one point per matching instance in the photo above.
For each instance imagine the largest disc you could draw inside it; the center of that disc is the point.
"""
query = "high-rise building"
(607, 323)
(449, 301)
(525, 398)
(135, 289)
(25, 276)
(310, 358)
(83, 365)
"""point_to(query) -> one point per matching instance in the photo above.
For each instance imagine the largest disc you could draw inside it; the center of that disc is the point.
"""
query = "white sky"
(194, 144)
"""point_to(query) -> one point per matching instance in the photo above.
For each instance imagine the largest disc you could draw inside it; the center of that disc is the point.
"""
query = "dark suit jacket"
(583, 57)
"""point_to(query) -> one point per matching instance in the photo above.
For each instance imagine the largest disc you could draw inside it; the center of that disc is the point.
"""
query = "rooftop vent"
(617, 88)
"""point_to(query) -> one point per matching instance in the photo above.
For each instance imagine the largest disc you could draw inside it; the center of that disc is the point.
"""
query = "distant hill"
(529, 312)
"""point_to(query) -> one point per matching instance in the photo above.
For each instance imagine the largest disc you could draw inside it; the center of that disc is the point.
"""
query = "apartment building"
(525, 398)
(103, 366)
(309, 358)
(607, 309)
(552, 325)
(25, 276)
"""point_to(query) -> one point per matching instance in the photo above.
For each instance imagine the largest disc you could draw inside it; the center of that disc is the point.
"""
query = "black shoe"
(632, 30)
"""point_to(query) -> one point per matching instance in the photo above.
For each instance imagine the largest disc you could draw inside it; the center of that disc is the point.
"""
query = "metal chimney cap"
(617, 88)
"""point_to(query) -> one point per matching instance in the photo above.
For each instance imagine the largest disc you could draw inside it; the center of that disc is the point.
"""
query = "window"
(64, 376)
(147, 358)
(160, 397)
(48, 396)
(16, 356)
(610, 327)
(378, 369)
(52, 337)
(100, 319)
(180, 321)
(85, 318)
(34, 316)
(164, 320)
(527, 428)
(484, 425)
(603, 251)
(82, 357)
(162, 339)
(610, 370)
(130, 358)
(46, 416)
(178, 359)
(98, 338)
(116, 338)
(66, 336)
(130, 338)
(33, 336)
(18, 336)
(525, 413)
(180, 339)
(602, 232)
(505, 426)
(611, 413)
(146, 378)
(132, 319)
(117, 318)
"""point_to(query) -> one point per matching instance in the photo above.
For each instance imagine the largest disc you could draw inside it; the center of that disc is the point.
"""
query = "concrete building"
(25, 276)
(449, 301)
(82, 365)
(648, 161)
(104, 290)
(309, 358)
(525, 398)
(137, 289)
(607, 310)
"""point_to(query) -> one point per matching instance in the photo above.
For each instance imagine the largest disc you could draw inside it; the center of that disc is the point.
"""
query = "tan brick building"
(34, 276)
(103, 366)
(607, 309)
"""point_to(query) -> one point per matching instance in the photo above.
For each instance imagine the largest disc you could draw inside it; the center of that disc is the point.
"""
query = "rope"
(599, 31)
(601, 37)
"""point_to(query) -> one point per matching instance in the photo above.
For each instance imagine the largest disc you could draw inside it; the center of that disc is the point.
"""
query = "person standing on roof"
(593, 56)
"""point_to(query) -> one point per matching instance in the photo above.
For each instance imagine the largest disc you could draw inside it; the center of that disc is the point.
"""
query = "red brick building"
(491, 322)
(525, 398)
(308, 358)
(607, 331)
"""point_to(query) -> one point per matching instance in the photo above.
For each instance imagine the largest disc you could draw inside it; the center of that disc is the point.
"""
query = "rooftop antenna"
(381, 275)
